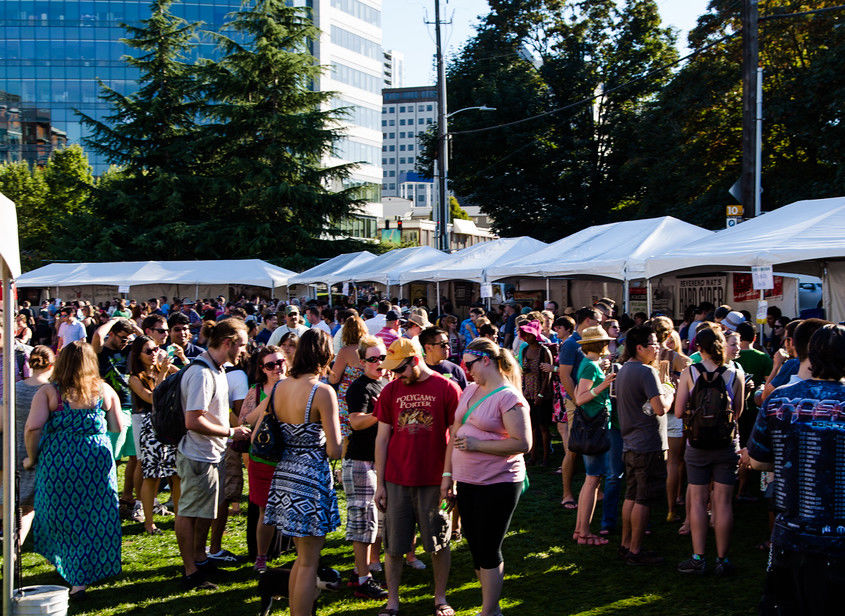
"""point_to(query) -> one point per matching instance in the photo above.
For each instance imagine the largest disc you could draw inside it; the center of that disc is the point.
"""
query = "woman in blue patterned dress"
(302, 501)
(346, 370)
(77, 525)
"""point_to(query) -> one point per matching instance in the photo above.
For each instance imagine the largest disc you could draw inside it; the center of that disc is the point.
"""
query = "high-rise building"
(394, 68)
(405, 115)
(52, 54)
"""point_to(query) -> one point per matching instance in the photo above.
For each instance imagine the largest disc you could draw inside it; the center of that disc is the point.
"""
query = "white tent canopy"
(387, 268)
(333, 271)
(471, 262)
(616, 250)
(806, 237)
(252, 272)
(9, 249)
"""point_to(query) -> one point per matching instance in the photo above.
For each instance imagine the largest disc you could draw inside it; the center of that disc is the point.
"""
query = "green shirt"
(756, 363)
(122, 313)
(592, 371)
(696, 357)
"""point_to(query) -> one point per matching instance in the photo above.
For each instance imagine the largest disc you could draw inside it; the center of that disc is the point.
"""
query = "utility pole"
(442, 135)
(750, 62)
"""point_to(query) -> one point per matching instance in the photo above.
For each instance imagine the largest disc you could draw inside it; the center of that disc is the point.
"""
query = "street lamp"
(442, 209)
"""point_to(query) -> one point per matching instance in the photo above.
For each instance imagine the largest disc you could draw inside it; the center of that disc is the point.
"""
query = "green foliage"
(456, 211)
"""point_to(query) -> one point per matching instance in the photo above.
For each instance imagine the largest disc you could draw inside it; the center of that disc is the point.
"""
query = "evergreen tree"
(149, 135)
(265, 136)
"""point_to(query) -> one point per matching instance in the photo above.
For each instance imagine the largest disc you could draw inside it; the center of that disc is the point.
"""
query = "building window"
(393, 148)
(391, 109)
(421, 108)
(401, 148)
(355, 43)
(392, 173)
(392, 161)
(393, 122)
(356, 78)
(429, 121)
(402, 135)
(383, 160)
(402, 161)
(393, 187)
(411, 160)
(384, 148)
(384, 122)
(410, 147)
(392, 135)
(410, 133)
(360, 10)
(402, 109)
(429, 108)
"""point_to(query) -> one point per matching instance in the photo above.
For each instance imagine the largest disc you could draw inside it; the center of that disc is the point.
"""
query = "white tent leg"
(548, 294)
(604, 289)
(648, 297)
(625, 296)
(437, 286)
(329, 288)
(8, 410)
(196, 292)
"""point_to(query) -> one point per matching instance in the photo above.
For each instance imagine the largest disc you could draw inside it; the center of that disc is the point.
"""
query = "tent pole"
(648, 297)
(827, 293)
(8, 410)
(762, 298)
(437, 286)
(625, 293)
(329, 287)
(196, 292)
(548, 295)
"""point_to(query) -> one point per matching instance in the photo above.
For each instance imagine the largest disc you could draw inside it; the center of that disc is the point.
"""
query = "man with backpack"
(204, 396)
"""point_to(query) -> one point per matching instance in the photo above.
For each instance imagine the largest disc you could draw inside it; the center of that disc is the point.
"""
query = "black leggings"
(486, 512)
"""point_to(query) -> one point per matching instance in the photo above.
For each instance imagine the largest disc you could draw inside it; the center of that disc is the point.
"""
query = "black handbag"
(588, 435)
(268, 444)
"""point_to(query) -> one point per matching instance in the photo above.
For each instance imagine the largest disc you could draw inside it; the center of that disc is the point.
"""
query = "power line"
(802, 13)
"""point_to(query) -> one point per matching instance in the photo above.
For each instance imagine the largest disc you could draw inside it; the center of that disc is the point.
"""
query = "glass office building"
(52, 54)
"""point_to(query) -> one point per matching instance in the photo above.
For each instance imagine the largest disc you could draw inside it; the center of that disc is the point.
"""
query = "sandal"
(444, 609)
(569, 504)
(684, 529)
(388, 611)
(154, 531)
(592, 540)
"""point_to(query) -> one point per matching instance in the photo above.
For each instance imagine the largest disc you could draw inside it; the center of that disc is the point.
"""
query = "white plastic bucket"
(41, 600)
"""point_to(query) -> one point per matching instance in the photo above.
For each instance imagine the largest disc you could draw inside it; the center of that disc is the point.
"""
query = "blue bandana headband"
(476, 353)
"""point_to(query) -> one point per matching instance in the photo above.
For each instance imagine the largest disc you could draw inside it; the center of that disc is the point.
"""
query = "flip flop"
(569, 504)
(444, 609)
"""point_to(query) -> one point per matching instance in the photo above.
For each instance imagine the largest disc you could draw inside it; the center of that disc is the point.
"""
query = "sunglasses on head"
(274, 364)
(377, 359)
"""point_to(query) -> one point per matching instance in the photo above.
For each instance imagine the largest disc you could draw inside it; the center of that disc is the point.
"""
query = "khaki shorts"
(200, 485)
(408, 507)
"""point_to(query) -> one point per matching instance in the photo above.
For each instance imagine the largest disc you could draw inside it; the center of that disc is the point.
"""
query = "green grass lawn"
(546, 573)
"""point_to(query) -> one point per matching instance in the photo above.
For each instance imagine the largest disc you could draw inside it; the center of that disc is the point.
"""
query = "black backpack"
(168, 416)
(709, 418)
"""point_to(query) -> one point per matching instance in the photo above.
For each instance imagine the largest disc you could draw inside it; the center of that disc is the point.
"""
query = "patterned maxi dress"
(350, 375)
(77, 526)
(302, 500)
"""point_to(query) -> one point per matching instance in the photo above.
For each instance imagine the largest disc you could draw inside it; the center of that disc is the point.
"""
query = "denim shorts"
(596, 466)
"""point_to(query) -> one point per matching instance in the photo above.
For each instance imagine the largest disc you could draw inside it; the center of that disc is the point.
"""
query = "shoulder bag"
(588, 435)
(268, 444)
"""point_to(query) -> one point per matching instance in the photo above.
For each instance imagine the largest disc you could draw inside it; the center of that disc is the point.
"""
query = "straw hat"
(594, 334)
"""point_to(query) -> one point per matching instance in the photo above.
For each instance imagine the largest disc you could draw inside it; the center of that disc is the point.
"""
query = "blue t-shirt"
(789, 367)
(800, 429)
(571, 354)
(468, 330)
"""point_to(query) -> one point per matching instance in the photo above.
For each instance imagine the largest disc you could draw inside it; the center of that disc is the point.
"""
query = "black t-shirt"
(114, 370)
(361, 398)
(451, 371)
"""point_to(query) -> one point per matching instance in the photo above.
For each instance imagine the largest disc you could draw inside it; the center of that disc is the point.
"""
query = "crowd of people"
(436, 425)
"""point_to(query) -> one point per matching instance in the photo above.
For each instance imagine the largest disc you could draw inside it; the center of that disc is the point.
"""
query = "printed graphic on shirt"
(415, 412)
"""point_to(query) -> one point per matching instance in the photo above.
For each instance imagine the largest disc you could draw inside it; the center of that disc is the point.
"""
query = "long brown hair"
(77, 372)
(313, 354)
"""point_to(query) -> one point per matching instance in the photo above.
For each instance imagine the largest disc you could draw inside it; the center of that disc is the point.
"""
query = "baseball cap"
(291, 310)
(732, 320)
(369, 313)
(399, 351)
(392, 315)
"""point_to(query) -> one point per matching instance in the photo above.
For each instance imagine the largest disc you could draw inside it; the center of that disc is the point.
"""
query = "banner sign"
(744, 290)
(693, 291)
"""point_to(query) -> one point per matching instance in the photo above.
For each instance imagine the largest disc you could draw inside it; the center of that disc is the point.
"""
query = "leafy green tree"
(265, 139)
(27, 190)
(456, 211)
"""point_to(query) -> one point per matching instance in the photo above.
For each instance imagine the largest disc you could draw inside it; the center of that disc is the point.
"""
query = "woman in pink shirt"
(491, 433)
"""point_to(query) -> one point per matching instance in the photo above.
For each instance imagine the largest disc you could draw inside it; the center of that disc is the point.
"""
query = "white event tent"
(157, 277)
(805, 237)
(332, 271)
(10, 268)
(387, 268)
(471, 262)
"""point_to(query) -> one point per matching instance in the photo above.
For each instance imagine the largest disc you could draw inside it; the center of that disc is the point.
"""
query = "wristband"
(593, 392)
(446, 474)
(231, 432)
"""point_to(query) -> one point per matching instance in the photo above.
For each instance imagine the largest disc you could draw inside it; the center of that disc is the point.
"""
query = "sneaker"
(644, 557)
(692, 565)
(260, 564)
(370, 590)
(197, 581)
(225, 558)
(138, 512)
(375, 568)
(622, 552)
(724, 568)
(415, 564)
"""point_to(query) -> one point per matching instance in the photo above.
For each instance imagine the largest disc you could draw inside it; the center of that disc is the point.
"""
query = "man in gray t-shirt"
(645, 469)
(205, 398)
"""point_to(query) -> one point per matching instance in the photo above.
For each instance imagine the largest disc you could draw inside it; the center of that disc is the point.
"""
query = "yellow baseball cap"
(399, 351)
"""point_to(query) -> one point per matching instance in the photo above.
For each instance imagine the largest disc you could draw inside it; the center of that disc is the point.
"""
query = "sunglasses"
(442, 345)
(377, 359)
(159, 330)
(149, 351)
(274, 364)
(470, 364)
(401, 367)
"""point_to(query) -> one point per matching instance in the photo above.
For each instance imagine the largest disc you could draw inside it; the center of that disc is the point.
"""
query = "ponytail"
(505, 362)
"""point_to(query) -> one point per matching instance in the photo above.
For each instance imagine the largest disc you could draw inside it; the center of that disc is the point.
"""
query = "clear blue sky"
(405, 30)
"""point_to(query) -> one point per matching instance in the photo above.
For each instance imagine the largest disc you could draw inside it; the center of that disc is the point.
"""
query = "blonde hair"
(505, 362)
(353, 330)
(368, 342)
(77, 373)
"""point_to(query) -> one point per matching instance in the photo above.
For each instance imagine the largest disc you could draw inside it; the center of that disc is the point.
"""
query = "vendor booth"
(333, 271)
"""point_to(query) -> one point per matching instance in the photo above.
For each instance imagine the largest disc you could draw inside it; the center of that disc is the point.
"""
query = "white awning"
(333, 271)
(9, 248)
(388, 267)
